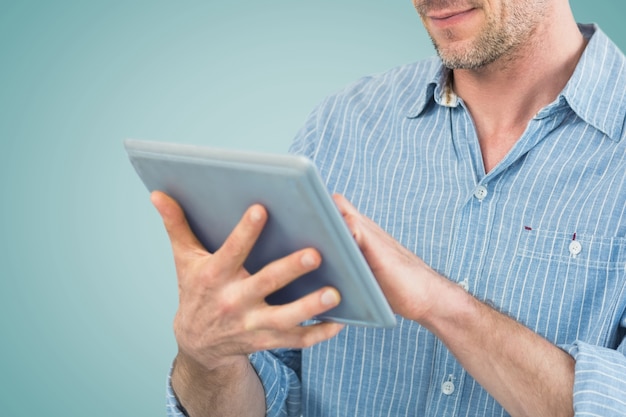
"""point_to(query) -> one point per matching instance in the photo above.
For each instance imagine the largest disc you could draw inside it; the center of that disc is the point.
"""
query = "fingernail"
(307, 260)
(330, 298)
(255, 215)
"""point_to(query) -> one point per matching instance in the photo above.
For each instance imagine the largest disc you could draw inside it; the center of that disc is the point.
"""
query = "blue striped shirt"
(542, 237)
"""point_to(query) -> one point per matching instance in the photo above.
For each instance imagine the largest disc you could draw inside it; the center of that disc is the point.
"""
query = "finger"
(175, 222)
(241, 240)
(351, 216)
(297, 337)
(287, 316)
(283, 271)
(306, 336)
(307, 307)
(344, 206)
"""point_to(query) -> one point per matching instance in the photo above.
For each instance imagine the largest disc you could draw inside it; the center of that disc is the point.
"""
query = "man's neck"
(505, 95)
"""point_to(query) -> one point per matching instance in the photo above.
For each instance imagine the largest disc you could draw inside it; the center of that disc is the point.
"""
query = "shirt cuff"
(599, 380)
(173, 407)
(280, 382)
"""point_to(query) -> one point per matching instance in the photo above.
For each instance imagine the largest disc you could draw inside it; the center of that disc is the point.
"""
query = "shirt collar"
(438, 89)
(596, 92)
(601, 104)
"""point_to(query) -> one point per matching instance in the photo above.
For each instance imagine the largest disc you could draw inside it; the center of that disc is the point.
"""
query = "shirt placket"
(471, 244)
(470, 230)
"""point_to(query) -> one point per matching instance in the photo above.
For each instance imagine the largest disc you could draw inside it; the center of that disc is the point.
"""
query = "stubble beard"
(486, 49)
(498, 41)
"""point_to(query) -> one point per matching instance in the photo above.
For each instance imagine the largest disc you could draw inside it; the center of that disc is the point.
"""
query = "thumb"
(180, 234)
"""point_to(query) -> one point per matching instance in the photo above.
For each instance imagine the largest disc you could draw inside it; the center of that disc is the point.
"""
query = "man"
(489, 194)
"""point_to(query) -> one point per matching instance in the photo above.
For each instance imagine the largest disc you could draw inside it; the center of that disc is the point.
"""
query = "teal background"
(87, 286)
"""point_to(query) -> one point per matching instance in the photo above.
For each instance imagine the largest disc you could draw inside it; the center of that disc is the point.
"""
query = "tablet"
(216, 186)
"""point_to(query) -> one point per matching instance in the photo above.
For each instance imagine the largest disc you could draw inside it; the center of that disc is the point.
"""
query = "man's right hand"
(222, 315)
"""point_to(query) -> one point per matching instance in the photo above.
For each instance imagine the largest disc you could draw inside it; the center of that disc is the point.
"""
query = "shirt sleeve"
(279, 372)
(600, 379)
(172, 406)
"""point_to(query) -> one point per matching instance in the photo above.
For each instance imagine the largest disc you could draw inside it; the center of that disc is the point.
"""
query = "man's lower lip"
(451, 19)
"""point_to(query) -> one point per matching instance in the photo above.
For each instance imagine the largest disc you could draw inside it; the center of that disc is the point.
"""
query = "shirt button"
(575, 247)
(447, 387)
(480, 192)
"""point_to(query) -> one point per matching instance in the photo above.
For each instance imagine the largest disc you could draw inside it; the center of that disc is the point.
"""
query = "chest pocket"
(577, 284)
(574, 249)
